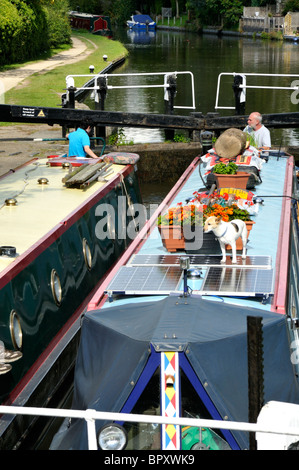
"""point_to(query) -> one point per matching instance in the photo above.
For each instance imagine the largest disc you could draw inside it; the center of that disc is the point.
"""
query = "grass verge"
(45, 88)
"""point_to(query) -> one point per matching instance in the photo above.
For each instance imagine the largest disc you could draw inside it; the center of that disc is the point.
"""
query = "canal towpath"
(13, 154)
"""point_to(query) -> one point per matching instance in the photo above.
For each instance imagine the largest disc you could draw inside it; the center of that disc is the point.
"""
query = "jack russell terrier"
(227, 233)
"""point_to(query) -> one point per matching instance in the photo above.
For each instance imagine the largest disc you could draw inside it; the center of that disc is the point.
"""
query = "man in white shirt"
(258, 131)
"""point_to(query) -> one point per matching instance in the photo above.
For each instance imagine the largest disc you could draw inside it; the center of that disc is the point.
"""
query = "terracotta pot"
(238, 181)
(239, 244)
(172, 237)
(173, 240)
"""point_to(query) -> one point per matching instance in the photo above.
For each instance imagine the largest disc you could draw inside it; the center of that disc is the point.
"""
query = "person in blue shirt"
(79, 142)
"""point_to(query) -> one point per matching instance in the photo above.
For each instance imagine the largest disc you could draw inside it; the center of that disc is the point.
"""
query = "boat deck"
(16, 221)
(260, 280)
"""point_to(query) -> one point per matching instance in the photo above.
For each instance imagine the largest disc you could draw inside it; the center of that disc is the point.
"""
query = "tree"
(231, 11)
(291, 5)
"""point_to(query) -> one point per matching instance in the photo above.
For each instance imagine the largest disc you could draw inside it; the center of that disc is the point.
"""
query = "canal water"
(205, 56)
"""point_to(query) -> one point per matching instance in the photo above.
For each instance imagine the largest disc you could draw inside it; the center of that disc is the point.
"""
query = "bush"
(291, 5)
(20, 31)
(28, 29)
(59, 30)
(10, 24)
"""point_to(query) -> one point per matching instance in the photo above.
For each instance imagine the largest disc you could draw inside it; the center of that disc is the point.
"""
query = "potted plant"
(228, 176)
(201, 207)
(171, 224)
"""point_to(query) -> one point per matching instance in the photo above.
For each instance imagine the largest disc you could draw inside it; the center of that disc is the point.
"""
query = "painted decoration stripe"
(170, 399)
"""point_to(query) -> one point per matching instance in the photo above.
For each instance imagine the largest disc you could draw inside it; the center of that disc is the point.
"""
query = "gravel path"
(13, 154)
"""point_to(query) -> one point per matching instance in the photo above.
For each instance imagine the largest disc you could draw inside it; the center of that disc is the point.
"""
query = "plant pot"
(238, 181)
(239, 243)
(172, 237)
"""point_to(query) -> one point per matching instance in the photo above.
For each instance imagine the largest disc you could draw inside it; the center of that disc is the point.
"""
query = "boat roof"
(142, 19)
(209, 330)
(267, 247)
(41, 208)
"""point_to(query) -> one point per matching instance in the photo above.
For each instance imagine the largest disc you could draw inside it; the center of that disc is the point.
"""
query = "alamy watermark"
(295, 94)
(123, 222)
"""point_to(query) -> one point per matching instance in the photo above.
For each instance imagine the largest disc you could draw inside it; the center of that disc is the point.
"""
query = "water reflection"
(206, 56)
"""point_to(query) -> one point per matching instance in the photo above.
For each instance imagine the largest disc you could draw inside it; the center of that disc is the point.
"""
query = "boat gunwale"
(14, 170)
(283, 249)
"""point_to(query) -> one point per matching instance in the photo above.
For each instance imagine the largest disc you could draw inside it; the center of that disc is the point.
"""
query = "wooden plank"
(195, 121)
(87, 172)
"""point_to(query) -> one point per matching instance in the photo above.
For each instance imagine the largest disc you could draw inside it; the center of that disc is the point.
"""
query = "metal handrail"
(111, 87)
(252, 86)
(91, 416)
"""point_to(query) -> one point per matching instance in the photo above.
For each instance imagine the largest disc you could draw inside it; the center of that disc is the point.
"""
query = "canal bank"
(161, 162)
(158, 161)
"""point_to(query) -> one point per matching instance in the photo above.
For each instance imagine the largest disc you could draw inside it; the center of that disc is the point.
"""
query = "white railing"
(90, 416)
(245, 86)
(70, 82)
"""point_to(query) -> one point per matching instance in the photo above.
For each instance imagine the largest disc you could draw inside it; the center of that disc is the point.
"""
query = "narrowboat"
(95, 24)
(58, 240)
(169, 333)
(141, 23)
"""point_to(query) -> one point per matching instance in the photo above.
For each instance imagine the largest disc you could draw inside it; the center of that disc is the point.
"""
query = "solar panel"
(163, 280)
(238, 282)
(153, 280)
(200, 261)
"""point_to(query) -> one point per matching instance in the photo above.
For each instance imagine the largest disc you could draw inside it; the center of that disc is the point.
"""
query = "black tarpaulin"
(115, 346)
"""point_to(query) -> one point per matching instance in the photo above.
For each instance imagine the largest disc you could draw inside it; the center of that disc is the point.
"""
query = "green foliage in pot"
(223, 169)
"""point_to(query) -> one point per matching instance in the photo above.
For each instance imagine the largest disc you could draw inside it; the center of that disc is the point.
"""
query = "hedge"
(28, 30)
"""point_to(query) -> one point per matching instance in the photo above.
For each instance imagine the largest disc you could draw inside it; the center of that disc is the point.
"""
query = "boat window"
(87, 254)
(15, 330)
(142, 436)
(194, 438)
(56, 287)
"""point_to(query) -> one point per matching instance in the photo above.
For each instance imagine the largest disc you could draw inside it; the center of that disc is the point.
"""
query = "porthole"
(87, 254)
(15, 330)
(56, 287)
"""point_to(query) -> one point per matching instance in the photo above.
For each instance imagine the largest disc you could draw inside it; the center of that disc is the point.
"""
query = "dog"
(227, 233)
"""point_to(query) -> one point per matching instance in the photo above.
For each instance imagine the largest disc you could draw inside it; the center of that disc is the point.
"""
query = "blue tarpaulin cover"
(115, 344)
(142, 19)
